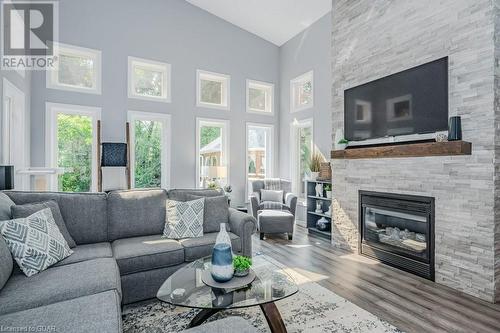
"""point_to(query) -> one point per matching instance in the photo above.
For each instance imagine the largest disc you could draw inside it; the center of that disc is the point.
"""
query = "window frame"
(295, 125)
(218, 77)
(269, 157)
(301, 79)
(225, 131)
(51, 151)
(166, 144)
(163, 67)
(265, 86)
(52, 76)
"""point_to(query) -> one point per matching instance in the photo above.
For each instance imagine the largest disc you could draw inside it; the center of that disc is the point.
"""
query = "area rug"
(313, 309)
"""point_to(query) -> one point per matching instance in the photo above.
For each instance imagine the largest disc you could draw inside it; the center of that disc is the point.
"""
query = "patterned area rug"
(313, 309)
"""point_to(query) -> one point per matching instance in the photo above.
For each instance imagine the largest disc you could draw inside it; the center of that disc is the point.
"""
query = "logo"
(29, 29)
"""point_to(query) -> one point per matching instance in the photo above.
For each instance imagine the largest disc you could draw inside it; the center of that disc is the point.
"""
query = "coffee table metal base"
(270, 311)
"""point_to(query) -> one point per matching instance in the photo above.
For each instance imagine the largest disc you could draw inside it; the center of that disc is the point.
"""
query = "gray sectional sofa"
(120, 258)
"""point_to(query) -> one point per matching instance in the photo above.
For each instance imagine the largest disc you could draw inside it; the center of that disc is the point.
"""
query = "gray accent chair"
(120, 258)
(289, 199)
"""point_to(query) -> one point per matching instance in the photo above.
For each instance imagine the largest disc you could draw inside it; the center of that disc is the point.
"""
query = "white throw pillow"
(184, 219)
(35, 241)
(270, 195)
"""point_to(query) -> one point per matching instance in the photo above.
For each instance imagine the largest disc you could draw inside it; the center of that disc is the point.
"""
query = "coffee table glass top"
(185, 287)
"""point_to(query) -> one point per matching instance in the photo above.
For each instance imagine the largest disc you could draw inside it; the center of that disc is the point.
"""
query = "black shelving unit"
(313, 217)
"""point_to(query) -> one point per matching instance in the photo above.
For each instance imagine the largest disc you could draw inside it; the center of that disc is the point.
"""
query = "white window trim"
(294, 155)
(217, 77)
(269, 159)
(51, 76)
(225, 143)
(264, 85)
(51, 154)
(163, 67)
(166, 143)
(300, 79)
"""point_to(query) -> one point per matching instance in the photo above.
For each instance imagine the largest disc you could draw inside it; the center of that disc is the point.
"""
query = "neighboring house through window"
(259, 153)
(301, 152)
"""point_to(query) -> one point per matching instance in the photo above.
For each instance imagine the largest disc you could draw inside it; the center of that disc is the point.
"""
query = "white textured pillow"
(270, 195)
(184, 219)
(35, 241)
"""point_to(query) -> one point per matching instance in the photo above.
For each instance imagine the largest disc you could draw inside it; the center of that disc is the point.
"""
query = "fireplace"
(398, 230)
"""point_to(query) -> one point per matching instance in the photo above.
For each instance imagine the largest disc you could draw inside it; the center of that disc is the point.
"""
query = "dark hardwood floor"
(410, 303)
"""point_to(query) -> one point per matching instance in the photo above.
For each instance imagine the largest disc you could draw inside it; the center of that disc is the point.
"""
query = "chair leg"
(290, 236)
(261, 236)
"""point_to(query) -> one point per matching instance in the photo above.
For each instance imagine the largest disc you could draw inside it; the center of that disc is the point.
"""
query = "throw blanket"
(272, 184)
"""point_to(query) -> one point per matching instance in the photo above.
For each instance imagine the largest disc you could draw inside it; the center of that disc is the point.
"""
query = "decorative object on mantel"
(328, 190)
(241, 265)
(441, 137)
(319, 207)
(325, 172)
(319, 190)
(6, 177)
(323, 224)
(315, 165)
(339, 135)
(342, 144)
(222, 257)
(455, 128)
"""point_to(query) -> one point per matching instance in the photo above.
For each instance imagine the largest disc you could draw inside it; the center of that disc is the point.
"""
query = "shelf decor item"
(222, 257)
(455, 128)
(323, 224)
(241, 265)
(342, 144)
(319, 190)
(328, 191)
(315, 165)
(319, 207)
(325, 172)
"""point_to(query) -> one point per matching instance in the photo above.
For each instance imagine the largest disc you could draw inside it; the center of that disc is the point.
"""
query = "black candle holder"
(455, 128)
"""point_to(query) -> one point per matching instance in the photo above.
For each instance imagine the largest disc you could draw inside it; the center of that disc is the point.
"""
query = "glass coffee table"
(186, 288)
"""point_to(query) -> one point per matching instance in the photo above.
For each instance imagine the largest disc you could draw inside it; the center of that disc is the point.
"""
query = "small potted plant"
(241, 265)
(342, 144)
(328, 190)
(315, 165)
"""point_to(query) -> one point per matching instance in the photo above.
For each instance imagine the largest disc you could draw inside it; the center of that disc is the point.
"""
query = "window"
(301, 92)
(212, 146)
(259, 153)
(77, 69)
(302, 149)
(72, 145)
(148, 79)
(260, 97)
(212, 90)
(149, 149)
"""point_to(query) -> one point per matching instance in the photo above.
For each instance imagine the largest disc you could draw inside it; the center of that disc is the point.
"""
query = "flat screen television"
(414, 101)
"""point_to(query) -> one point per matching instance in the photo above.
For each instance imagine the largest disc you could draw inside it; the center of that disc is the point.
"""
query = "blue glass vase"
(222, 257)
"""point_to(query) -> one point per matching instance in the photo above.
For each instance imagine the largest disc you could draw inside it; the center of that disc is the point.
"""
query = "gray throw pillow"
(21, 211)
(5, 204)
(35, 242)
(216, 212)
(270, 195)
(184, 219)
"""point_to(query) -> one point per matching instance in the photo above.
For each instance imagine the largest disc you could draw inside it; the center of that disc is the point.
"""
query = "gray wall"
(309, 50)
(372, 39)
(171, 31)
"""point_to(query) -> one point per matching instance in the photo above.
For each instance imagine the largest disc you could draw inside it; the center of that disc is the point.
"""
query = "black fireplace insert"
(398, 230)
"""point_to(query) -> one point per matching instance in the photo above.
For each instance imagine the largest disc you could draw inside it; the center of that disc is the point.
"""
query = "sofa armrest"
(254, 203)
(291, 201)
(243, 225)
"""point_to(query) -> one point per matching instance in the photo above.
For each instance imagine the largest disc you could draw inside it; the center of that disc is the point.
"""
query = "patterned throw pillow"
(35, 241)
(184, 219)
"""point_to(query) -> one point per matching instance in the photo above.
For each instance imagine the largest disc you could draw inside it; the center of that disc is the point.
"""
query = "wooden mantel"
(447, 148)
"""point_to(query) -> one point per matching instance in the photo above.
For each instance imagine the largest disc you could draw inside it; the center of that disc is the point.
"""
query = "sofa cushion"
(216, 212)
(35, 241)
(196, 248)
(144, 253)
(184, 195)
(6, 263)
(5, 204)
(184, 219)
(94, 313)
(85, 214)
(136, 213)
(58, 284)
(88, 252)
(20, 211)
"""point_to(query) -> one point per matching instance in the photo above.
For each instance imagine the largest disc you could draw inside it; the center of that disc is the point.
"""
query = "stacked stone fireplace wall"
(375, 38)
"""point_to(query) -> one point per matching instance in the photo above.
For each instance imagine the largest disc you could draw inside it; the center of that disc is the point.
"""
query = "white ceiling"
(274, 20)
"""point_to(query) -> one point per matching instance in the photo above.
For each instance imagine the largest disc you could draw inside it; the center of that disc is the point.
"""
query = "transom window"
(212, 90)
(77, 69)
(148, 79)
(260, 97)
(301, 92)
